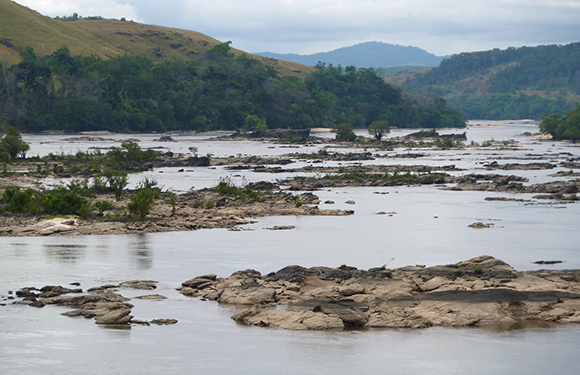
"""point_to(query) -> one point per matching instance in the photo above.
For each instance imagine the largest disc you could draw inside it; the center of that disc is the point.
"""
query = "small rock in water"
(479, 224)
(282, 227)
(548, 262)
(164, 321)
(152, 297)
(140, 284)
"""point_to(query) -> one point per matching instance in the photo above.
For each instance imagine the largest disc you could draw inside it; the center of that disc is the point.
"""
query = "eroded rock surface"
(101, 303)
(479, 291)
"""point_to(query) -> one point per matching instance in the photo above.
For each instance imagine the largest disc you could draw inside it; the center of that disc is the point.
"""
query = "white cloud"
(306, 26)
(104, 8)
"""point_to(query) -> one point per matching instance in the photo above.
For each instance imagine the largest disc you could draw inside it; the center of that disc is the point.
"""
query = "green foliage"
(12, 144)
(117, 182)
(217, 91)
(194, 150)
(103, 206)
(228, 188)
(62, 201)
(565, 127)
(344, 132)
(378, 129)
(21, 201)
(143, 199)
(515, 83)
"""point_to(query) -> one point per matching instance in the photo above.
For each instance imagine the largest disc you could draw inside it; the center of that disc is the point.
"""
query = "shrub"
(141, 202)
(21, 201)
(62, 201)
(344, 132)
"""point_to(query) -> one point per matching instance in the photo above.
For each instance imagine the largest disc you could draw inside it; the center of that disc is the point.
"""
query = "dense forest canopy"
(562, 127)
(217, 91)
(515, 83)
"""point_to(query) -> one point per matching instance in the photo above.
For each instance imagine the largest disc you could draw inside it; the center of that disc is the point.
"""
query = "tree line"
(216, 91)
(515, 83)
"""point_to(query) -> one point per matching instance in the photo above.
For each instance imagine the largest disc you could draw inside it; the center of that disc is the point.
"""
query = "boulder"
(155, 297)
(161, 322)
(140, 284)
(302, 320)
(250, 293)
(292, 274)
(114, 317)
(350, 312)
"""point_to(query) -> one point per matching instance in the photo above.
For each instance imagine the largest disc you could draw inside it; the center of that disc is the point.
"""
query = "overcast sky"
(442, 27)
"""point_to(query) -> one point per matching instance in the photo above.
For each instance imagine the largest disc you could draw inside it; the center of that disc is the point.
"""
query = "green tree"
(378, 129)
(143, 198)
(565, 127)
(117, 183)
(253, 122)
(344, 132)
(141, 202)
(13, 144)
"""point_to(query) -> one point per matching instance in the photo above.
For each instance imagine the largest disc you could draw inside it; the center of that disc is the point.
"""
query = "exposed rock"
(479, 224)
(164, 138)
(250, 293)
(140, 284)
(505, 199)
(282, 227)
(48, 227)
(522, 167)
(114, 317)
(156, 297)
(548, 261)
(164, 321)
(479, 291)
(194, 210)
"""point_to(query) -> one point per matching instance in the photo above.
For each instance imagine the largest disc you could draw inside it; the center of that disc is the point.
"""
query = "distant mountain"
(365, 55)
(515, 83)
(104, 38)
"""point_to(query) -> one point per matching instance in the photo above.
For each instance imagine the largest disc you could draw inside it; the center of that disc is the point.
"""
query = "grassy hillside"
(21, 26)
(515, 83)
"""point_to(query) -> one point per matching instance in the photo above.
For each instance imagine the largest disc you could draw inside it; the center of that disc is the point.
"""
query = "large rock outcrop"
(479, 291)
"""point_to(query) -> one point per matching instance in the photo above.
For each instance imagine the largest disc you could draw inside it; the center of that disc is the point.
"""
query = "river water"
(429, 226)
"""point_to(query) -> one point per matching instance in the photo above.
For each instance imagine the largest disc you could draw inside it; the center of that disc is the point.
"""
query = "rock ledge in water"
(479, 291)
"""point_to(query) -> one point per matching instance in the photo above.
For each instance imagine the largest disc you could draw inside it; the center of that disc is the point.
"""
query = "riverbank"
(202, 209)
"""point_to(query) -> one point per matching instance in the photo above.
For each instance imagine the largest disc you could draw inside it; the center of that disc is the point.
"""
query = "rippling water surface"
(429, 227)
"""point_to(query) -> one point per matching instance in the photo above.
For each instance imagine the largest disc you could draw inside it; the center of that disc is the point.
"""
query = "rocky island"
(481, 291)
(477, 292)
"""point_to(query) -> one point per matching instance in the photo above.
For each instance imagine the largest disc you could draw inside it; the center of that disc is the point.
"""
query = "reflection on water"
(64, 253)
(430, 226)
(140, 251)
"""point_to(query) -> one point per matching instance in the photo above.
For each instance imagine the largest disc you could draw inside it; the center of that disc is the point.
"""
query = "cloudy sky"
(442, 27)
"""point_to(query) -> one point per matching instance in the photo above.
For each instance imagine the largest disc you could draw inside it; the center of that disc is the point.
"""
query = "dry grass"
(21, 26)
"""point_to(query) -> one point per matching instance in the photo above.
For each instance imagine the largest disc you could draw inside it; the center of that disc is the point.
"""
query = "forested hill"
(219, 90)
(105, 38)
(515, 83)
(365, 55)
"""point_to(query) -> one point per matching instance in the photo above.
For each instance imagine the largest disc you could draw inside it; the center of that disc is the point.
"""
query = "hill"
(515, 83)
(103, 38)
(93, 74)
(365, 55)
(21, 26)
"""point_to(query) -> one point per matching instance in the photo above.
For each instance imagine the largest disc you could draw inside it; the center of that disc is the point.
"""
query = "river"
(428, 226)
